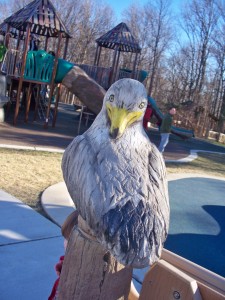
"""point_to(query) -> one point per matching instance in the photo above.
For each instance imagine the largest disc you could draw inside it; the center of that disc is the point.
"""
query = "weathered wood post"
(91, 272)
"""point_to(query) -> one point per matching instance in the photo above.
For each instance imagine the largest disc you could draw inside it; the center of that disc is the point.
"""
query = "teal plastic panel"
(39, 66)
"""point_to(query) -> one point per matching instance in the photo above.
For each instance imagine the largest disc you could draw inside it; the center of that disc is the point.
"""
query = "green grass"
(26, 174)
(206, 163)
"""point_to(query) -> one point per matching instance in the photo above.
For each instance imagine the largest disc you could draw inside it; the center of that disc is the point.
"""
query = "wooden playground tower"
(119, 39)
(38, 18)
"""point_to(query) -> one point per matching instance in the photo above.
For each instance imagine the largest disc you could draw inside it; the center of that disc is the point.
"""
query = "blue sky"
(120, 5)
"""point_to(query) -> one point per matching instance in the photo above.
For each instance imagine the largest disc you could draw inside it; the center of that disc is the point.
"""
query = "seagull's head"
(125, 103)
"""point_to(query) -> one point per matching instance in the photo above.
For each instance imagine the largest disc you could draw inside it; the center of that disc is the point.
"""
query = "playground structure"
(41, 71)
(39, 18)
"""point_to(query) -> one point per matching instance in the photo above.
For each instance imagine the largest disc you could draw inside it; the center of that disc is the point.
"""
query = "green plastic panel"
(39, 66)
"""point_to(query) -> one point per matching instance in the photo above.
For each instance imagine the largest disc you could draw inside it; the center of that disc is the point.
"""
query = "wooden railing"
(99, 74)
(102, 75)
(12, 63)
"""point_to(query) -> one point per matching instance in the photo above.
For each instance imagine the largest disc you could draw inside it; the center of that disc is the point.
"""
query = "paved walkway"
(30, 245)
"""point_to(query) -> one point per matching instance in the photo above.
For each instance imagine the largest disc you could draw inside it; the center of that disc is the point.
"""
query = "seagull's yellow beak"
(120, 119)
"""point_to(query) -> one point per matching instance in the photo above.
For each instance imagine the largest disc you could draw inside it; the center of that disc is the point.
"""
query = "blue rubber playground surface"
(197, 223)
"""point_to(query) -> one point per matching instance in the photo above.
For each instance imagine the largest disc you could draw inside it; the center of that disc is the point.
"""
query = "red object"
(58, 268)
(54, 289)
(147, 116)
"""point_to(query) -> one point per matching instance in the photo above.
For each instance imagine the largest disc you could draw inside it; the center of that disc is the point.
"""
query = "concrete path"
(30, 246)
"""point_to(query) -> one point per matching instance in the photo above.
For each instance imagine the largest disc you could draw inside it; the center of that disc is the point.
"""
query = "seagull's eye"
(141, 105)
(111, 98)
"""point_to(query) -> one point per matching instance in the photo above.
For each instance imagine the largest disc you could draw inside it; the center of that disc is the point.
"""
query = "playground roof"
(43, 18)
(119, 38)
(14, 32)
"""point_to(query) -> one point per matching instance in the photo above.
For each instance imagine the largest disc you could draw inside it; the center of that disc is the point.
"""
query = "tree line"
(182, 51)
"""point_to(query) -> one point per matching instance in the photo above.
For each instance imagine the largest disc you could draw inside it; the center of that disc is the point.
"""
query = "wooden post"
(96, 55)
(22, 74)
(99, 54)
(113, 68)
(46, 43)
(134, 66)
(90, 272)
(17, 48)
(116, 69)
(66, 48)
(7, 36)
(37, 101)
(28, 98)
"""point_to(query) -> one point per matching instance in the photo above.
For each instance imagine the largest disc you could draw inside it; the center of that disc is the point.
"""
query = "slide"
(77, 81)
(181, 132)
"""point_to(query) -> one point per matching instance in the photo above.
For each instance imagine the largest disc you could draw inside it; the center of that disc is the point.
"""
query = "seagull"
(117, 178)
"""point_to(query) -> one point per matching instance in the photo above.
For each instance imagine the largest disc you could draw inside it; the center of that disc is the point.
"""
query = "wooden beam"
(37, 101)
(22, 74)
(46, 43)
(99, 54)
(111, 78)
(7, 36)
(96, 55)
(28, 98)
(116, 68)
(66, 48)
(134, 66)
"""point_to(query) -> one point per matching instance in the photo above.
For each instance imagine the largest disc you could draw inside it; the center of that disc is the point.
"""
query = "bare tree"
(152, 25)
(160, 35)
(219, 84)
(199, 19)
